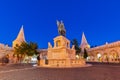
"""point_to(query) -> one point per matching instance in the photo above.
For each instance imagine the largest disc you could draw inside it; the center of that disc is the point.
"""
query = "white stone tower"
(84, 43)
(20, 38)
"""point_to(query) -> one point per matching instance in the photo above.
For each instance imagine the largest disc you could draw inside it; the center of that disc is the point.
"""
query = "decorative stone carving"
(73, 47)
(49, 45)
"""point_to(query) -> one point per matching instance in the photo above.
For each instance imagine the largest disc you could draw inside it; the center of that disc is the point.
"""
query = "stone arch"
(58, 43)
(91, 56)
(113, 55)
(98, 56)
(105, 57)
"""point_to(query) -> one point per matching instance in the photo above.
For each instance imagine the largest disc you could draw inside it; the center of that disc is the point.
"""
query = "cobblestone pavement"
(28, 72)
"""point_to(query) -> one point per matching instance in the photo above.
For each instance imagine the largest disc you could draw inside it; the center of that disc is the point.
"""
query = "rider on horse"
(61, 28)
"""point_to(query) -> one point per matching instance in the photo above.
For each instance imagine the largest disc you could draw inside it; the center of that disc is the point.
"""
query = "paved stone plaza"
(28, 72)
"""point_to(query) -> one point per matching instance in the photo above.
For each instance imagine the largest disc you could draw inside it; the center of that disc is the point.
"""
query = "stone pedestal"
(61, 55)
(61, 49)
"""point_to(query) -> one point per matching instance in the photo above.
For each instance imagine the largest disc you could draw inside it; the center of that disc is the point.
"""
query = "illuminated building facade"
(104, 53)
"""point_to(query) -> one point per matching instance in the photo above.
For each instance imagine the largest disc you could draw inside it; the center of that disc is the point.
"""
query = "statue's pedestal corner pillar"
(41, 63)
(68, 62)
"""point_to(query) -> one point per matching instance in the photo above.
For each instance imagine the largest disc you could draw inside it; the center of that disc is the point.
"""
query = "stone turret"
(84, 43)
(20, 38)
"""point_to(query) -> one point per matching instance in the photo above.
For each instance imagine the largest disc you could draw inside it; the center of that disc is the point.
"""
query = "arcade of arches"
(105, 53)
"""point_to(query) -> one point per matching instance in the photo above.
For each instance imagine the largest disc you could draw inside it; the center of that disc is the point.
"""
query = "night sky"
(98, 19)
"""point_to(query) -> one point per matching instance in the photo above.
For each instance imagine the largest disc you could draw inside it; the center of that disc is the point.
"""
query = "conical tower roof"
(84, 43)
(83, 40)
(20, 38)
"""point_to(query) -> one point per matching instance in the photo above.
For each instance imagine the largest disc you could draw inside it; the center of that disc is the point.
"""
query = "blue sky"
(98, 19)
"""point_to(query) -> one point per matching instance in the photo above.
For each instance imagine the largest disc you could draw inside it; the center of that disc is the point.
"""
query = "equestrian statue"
(61, 28)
